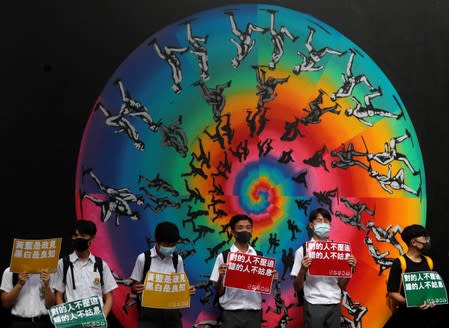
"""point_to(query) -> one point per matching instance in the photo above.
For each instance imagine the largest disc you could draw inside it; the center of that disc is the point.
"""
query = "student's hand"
(426, 306)
(23, 278)
(275, 275)
(222, 269)
(192, 290)
(352, 262)
(137, 288)
(45, 277)
(306, 263)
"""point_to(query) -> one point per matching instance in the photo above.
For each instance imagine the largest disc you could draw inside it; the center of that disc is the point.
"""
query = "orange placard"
(166, 291)
(34, 255)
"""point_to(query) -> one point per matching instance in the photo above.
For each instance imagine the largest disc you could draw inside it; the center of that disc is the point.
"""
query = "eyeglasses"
(420, 242)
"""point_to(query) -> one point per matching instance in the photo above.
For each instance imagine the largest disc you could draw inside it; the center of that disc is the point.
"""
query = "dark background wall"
(57, 56)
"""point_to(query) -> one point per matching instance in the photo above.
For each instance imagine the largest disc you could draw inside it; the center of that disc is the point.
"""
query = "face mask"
(426, 247)
(167, 251)
(243, 237)
(322, 230)
(80, 244)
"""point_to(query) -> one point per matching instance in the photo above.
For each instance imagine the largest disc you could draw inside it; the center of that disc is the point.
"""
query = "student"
(84, 274)
(240, 308)
(161, 258)
(28, 296)
(417, 240)
(321, 294)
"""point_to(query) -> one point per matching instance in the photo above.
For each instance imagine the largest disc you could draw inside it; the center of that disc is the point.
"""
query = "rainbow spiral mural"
(253, 109)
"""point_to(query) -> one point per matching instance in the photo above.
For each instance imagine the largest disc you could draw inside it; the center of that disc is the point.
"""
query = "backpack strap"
(403, 268)
(429, 262)
(15, 278)
(66, 263)
(147, 263)
(98, 266)
(225, 255)
(175, 259)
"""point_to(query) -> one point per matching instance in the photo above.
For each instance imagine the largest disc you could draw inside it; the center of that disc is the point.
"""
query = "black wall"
(57, 56)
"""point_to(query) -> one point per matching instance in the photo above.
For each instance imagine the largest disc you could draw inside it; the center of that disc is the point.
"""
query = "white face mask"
(322, 229)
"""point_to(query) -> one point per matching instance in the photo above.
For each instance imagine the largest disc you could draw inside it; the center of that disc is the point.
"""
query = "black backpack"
(147, 263)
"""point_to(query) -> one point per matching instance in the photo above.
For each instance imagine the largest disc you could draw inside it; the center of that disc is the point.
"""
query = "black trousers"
(36, 322)
(159, 318)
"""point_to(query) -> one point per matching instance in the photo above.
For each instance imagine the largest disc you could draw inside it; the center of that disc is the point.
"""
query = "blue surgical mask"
(322, 230)
(167, 251)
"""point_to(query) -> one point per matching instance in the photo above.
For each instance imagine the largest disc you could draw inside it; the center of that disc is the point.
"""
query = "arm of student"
(397, 297)
(137, 287)
(219, 284)
(107, 299)
(192, 290)
(10, 298)
(49, 295)
(59, 297)
(343, 282)
(298, 282)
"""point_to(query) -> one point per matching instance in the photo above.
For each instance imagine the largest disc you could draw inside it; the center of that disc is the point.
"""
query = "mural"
(253, 109)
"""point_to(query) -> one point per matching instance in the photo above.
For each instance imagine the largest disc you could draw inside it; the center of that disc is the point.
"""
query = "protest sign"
(32, 256)
(329, 258)
(424, 287)
(166, 291)
(249, 272)
(85, 312)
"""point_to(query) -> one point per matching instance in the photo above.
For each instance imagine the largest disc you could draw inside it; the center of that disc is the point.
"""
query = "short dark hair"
(166, 232)
(85, 227)
(413, 231)
(237, 218)
(325, 213)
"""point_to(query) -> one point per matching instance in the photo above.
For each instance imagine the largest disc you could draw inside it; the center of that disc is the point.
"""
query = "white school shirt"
(234, 298)
(87, 281)
(164, 265)
(317, 289)
(30, 302)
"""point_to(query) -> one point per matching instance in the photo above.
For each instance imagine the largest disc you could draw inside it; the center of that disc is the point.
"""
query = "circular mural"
(253, 109)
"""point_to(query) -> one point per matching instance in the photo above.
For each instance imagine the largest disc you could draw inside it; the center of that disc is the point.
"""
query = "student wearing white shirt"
(240, 308)
(86, 275)
(322, 295)
(161, 258)
(28, 298)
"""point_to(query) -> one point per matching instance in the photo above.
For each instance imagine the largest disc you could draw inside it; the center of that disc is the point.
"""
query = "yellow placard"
(34, 255)
(166, 291)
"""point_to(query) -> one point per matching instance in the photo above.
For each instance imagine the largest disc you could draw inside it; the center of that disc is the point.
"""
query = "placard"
(249, 272)
(329, 258)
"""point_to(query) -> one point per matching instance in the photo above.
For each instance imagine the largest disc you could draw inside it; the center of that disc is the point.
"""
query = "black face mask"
(426, 247)
(243, 237)
(80, 244)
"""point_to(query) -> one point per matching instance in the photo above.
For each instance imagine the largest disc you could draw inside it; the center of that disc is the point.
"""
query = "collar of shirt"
(74, 257)
(250, 250)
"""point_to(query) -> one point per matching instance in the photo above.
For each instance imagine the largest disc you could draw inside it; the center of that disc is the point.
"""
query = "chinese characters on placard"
(250, 272)
(424, 287)
(86, 312)
(329, 258)
(166, 291)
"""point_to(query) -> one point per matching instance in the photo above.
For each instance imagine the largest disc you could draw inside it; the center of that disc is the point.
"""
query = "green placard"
(424, 287)
(85, 312)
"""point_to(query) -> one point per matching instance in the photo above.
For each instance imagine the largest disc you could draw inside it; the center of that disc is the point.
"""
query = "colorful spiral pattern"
(254, 109)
